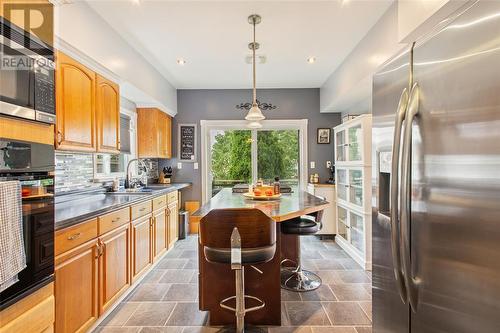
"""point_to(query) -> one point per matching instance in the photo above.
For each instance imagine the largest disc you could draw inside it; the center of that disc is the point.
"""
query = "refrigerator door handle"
(394, 197)
(411, 282)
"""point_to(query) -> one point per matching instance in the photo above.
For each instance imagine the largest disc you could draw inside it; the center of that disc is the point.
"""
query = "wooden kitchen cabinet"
(142, 231)
(108, 116)
(75, 105)
(76, 288)
(173, 222)
(160, 232)
(114, 266)
(154, 133)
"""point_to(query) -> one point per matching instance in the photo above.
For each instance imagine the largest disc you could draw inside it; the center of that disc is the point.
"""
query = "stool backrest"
(256, 228)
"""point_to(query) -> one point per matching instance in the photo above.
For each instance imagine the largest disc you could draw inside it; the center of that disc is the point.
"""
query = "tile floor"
(166, 299)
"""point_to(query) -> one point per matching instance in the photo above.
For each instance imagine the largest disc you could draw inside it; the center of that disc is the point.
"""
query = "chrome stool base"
(297, 279)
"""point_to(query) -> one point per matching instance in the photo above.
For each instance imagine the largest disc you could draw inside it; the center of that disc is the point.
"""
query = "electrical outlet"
(195, 166)
(179, 165)
(313, 165)
(328, 164)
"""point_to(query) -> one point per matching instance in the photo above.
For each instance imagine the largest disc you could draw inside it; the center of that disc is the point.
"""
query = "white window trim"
(208, 125)
(133, 149)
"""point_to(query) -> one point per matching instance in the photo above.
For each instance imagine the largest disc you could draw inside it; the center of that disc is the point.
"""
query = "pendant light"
(255, 114)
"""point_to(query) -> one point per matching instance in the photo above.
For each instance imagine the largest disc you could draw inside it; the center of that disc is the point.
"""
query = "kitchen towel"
(12, 255)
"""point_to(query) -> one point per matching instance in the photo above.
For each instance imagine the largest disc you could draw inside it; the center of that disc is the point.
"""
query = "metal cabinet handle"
(142, 209)
(116, 220)
(394, 210)
(411, 282)
(98, 247)
(75, 236)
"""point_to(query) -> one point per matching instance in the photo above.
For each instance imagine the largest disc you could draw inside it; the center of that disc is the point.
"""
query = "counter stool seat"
(295, 278)
(238, 237)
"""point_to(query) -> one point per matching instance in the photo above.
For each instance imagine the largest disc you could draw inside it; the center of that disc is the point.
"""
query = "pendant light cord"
(254, 74)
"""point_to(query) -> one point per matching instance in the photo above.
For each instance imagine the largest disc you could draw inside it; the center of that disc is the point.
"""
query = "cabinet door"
(75, 105)
(357, 238)
(356, 187)
(343, 224)
(173, 220)
(160, 232)
(342, 184)
(76, 288)
(340, 146)
(114, 266)
(162, 133)
(355, 136)
(147, 133)
(168, 136)
(142, 240)
(108, 116)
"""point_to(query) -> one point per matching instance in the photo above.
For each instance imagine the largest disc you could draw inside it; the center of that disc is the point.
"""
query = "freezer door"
(455, 177)
(390, 314)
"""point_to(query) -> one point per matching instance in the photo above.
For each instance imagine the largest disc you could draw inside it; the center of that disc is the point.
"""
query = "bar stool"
(238, 237)
(298, 279)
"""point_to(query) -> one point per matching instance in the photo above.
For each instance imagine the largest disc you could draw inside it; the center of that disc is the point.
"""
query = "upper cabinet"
(353, 142)
(108, 116)
(87, 109)
(154, 133)
(75, 105)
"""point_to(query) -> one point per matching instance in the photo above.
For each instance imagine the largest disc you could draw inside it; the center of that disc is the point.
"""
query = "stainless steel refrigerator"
(436, 180)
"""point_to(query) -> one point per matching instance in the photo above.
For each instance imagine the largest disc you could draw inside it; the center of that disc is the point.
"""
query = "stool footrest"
(254, 308)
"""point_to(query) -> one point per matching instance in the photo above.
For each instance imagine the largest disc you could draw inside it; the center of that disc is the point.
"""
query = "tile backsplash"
(74, 172)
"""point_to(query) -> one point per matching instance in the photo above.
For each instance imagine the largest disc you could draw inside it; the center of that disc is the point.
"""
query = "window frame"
(286, 124)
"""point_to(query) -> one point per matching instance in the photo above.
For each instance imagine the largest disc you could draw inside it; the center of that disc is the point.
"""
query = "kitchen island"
(216, 281)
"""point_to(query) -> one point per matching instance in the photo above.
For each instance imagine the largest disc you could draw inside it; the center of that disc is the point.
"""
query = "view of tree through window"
(278, 156)
(231, 157)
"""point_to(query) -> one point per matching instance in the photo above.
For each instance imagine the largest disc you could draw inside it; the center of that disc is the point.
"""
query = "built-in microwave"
(27, 74)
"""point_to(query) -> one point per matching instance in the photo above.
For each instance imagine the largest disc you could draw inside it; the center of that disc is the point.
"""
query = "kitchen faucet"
(128, 177)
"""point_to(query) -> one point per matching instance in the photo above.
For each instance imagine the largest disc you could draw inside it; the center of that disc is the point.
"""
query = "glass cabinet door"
(355, 136)
(342, 184)
(357, 231)
(342, 218)
(356, 187)
(341, 146)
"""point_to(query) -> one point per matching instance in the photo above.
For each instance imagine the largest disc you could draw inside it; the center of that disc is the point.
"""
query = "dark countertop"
(290, 205)
(87, 206)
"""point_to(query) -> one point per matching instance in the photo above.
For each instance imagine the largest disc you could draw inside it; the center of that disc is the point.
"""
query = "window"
(108, 166)
(233, 154)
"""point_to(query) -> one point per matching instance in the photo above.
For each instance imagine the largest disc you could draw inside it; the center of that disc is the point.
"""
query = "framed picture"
(187, 142)
(323, 135)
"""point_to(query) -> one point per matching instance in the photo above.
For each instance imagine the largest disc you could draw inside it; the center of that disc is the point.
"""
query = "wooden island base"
(216, 281)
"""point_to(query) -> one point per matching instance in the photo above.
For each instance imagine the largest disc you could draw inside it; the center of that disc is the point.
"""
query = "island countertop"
(289, 206)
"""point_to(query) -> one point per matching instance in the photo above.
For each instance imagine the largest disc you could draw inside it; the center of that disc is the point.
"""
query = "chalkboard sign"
(187, 142)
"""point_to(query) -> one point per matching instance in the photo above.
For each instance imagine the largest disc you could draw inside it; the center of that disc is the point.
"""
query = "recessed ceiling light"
(311, 60)
(181, 61)
(136, 2)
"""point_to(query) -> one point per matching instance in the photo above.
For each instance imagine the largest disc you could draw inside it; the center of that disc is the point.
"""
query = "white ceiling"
(213, 37)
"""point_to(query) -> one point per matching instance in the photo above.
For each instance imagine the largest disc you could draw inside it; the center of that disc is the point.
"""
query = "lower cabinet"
(76, 288)
(142, 239)
(173, 222)
(160, 232)
(114, 266)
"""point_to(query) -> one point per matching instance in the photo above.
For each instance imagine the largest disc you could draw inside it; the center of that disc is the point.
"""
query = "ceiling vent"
(260, 59)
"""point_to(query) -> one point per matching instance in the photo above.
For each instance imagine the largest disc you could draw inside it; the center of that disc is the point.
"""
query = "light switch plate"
(313, 164)
(195, 166)
(179, 165)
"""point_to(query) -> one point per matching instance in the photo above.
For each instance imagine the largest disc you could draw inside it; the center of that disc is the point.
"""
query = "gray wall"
(196, 105)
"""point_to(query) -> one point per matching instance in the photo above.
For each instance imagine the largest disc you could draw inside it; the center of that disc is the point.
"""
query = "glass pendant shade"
(255, 114)
(254, 124)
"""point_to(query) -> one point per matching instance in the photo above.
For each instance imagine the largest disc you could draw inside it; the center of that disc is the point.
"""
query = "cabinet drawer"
(113, 220)
(71, 237)
(172, 196)
(140, 209)
(159, 202)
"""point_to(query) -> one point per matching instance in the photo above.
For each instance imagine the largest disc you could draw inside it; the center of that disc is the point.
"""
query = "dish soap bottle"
(277, 186)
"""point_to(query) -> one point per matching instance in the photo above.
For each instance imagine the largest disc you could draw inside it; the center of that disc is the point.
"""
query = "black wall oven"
(32, 164)
(27, 73)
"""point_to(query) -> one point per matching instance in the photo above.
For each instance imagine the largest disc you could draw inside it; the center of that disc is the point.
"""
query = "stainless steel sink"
(134, 191)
